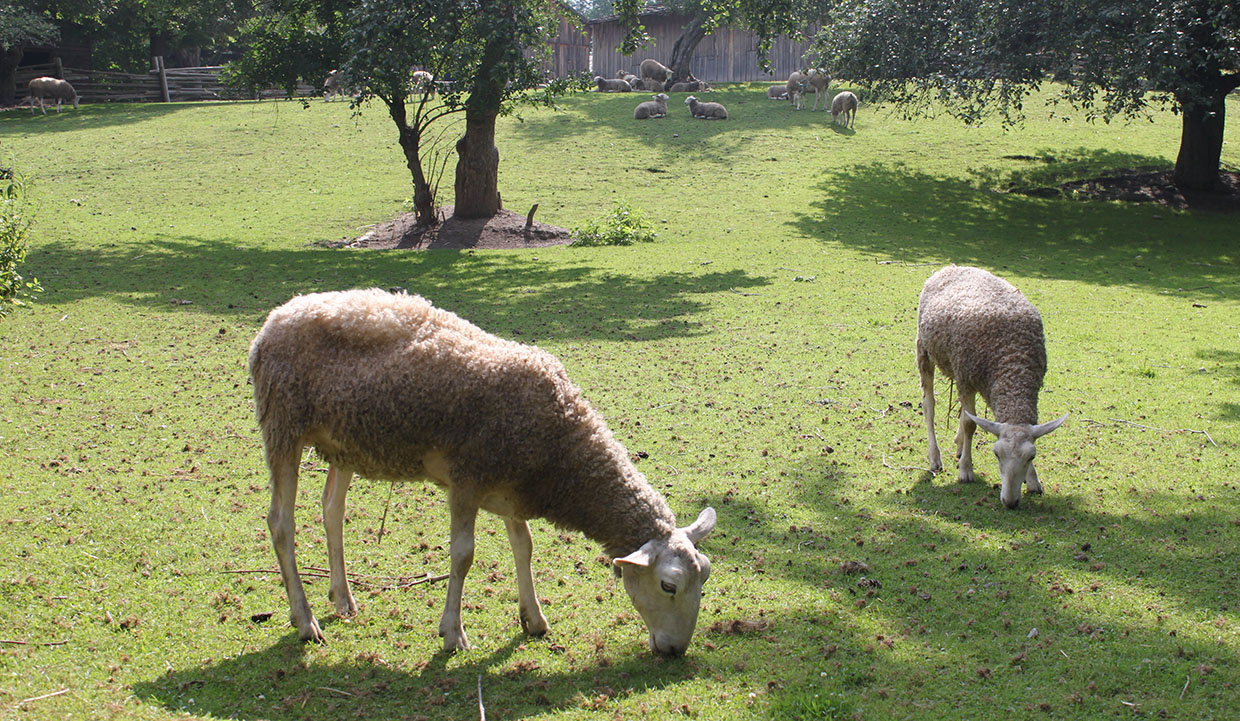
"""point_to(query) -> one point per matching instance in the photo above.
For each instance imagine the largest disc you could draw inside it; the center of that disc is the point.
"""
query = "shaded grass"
(760, 356)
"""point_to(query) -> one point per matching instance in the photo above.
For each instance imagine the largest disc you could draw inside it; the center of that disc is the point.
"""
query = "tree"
(479, 47)
(134, 31)
(976, 57)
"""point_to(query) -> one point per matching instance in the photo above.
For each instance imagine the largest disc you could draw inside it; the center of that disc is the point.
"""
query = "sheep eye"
(668, 587)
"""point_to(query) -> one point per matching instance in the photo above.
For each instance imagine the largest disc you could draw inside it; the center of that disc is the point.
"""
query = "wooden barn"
(727, 55)
(570, 48)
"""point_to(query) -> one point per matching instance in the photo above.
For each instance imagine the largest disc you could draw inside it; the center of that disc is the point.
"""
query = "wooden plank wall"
(570, 51)
(728, 55)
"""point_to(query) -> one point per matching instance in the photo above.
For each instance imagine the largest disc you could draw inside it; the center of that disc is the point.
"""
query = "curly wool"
(375, 381)
(983, 333)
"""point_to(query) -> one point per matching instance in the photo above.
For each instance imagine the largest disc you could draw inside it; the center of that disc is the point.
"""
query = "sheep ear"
(988, 426)
(1045, 428)
(643, 556)
(704, 524)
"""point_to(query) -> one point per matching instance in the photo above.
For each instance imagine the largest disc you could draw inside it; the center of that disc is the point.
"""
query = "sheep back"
(374, 381)
(612, 85)
(986, 335)
(706, 111)
(656, 108)
(654, 70)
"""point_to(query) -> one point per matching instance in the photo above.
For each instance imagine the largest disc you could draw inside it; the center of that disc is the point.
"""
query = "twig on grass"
(482, 710)
(46, 695)
(333, 690)
(741, 292)
(383, 521)
(416, 580)
(904, 468)
(1187, 679)
(35, 643)
(905, 263)
(1167, 430)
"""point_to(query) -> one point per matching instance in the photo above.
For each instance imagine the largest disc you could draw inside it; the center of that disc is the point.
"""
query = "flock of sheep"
(389, 387)
(658, 77)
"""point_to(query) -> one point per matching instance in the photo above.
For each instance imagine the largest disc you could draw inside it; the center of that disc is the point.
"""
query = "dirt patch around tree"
(505, 229)
(1149, 187)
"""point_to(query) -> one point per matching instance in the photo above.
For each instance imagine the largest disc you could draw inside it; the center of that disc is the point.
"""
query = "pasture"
(758, 358)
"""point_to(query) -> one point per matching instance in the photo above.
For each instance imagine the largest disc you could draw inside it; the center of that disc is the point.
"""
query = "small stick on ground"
(383, 522)
(35, 643)
(529, 219)
(46, 695)
(1187, 679)
(482, 710)
(1168, 430)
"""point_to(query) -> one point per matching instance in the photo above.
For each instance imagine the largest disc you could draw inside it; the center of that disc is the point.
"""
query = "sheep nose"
(1011, 503)
(665, 648)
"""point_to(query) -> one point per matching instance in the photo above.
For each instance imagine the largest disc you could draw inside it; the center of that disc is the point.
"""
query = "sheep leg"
(280, 523)
(964, 438)
(338, 480)
(461, 551)
(926, 367)
(533, 621)
(1032, 484)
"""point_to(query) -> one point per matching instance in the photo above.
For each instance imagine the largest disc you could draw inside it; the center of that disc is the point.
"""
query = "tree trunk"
(1201, 143)
(158, 45)
(411, 143)
(682, 49)
(477, 166)
(9, 61)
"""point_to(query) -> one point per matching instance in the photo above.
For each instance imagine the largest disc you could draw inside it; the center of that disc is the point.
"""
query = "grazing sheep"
(655, 70)
(795, 89)
(423, 82)
(48, 87)
(844, 103)
(818, 81)
(983, 333)
(333, 85)
(612, 85)
(395, 389)
(706, 111)
(777, 92)
(656, 108)
(692, 86)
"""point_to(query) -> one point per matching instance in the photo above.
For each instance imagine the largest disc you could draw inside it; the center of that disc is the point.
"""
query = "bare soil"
(1150, 187)
(505, 229)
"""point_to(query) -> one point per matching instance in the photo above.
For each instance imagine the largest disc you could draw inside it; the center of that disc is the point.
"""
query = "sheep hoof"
(964, 477)
(455, 642)
(346, 607)
(311, 633)
(537, 627)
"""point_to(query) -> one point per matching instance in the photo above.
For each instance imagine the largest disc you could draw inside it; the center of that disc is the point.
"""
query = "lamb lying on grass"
(777, 92)
(612, 85)
(706, 111)
(656, 108)
(394, 389)
(984, 334)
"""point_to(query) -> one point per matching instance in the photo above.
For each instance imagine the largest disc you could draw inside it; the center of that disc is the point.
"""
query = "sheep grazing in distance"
(983, 333)
(706, 111)
(390, 387)
(655, 70)
(692, 86)
(777, 92)
(333, 85)
(49, 87)
(795, 89)
(656, 108)
(844, 103)
(818, 81)
(612, 85)
(423, 82)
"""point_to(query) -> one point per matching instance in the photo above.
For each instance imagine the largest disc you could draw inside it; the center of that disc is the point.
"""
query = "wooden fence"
(158, 84)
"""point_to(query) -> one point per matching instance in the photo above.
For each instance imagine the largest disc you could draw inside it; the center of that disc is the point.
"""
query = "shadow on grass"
(90, 116)
(279, 684)
(1229, 367)
(511, 294)
(898, 214)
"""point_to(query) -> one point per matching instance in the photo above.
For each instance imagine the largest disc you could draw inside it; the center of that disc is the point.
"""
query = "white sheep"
(691, 86)
(844, 103)
(395, 389)
(423, 82)
(795, 89)
(983, 333)
(706, 111)
(49, 87)
(777, 92)
(818, 81)
(654, 70)
(656, 108)
(333, 85)
(650, 85)
(612, 85)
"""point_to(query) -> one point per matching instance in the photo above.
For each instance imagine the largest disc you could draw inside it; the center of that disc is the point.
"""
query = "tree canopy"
(981, 57)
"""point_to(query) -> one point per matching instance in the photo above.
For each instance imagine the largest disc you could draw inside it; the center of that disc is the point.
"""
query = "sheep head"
(1015, 451)
(664, 579)
(690, 100)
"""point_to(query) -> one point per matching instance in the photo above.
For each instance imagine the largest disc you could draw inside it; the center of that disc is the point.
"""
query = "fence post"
(163, 78)
(58, 68)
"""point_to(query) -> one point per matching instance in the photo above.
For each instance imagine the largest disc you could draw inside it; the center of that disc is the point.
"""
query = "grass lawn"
(759, 355)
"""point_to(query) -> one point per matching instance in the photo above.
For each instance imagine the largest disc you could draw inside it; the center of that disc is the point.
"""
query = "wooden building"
(727, 55)
(570, 48)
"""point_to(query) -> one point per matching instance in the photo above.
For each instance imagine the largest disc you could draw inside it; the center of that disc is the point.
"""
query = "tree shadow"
(898, 214)
(91, 116)
(516, 295)
(280, 684)
(1229, 367)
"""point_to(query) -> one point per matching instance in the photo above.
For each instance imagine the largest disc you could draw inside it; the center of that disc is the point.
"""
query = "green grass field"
(760, 355)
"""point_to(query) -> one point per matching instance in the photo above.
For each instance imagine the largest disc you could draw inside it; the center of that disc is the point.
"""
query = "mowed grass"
(758, 357)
